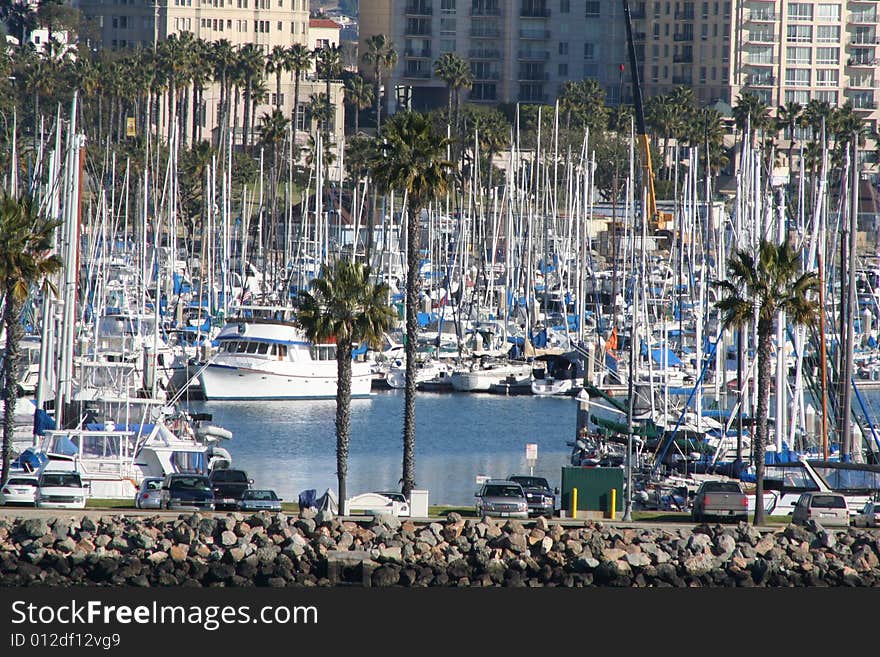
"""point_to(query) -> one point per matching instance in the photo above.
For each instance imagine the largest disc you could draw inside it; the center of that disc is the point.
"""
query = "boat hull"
(315, 381)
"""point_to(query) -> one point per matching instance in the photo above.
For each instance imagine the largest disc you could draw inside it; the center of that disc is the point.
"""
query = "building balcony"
(417, 32)
(419, 9)
(761, 17)
(862, 63)
(539, 35)
(423, 53)
(861, 18)
(487, 76)
(865, 106)
(682, 79)
(484, 53)
(486, 11)
(864, 40)
(761, 81)
(765, 37)
(683, 36)
(533, 76)
(534, 55)
(485, 33)
(534, 12)
(857, 83)
(683, 58)
(684, 15)
(639, 36)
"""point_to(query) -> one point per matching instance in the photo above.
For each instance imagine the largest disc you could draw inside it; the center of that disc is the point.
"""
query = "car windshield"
(722, 487)
(829, 502)
(61, 480)
(260, 495)
(500, 490)
(531, 482)
(21, 481)
(190, 483)
(233, 476)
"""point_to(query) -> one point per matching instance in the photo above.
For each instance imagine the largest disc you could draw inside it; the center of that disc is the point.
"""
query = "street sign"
(531, 456)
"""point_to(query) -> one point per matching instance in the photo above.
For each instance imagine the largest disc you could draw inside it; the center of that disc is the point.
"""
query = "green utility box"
(594, 486)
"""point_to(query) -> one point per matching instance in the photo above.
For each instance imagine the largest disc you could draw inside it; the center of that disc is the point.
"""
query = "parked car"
(503, 498)
(259, 500)
(869, 516)
(539, 496)
(149, 495)
(61, 489)
(19, 489)
(187, 491)
(827, 509)
(720, 499)
(228, 486)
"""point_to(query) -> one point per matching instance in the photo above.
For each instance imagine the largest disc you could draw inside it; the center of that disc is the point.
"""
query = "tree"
(344, 305)
(223, 57)
(250, 63)
(380, 54)
(359, 95)
(26, 242)
(584, 100)
(788, 117)
(456, 73)
(277, 62)
(412, 160)
(758, 289)
(751, 111)
(328, 64)
(299, 61)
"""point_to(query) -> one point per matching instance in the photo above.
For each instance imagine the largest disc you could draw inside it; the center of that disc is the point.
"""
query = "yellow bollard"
(613, 503)
(574, 502)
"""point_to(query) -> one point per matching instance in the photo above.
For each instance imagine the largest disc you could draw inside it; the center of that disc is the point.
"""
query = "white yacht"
(262, 354)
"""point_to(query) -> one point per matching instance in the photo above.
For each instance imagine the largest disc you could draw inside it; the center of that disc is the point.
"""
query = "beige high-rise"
(523, 50)
(268, 23)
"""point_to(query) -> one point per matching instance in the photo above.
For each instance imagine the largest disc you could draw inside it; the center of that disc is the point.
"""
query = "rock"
(157, 557)
(391, 553)
(637, 559)
(179, 552)
(698, 565)
(324, 517)
(228, 538)
(725, 545)
(34, 528)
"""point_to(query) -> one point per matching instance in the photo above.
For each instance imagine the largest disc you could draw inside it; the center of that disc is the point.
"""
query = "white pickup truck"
(720, 499)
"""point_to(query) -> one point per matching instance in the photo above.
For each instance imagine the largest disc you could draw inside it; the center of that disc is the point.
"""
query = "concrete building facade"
(524, 50)
(268, 23)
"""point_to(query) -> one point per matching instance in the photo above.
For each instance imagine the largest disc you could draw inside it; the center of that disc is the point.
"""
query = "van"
(61, 489)
(827, 509)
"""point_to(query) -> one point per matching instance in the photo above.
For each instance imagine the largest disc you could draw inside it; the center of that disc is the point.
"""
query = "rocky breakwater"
(320, 550)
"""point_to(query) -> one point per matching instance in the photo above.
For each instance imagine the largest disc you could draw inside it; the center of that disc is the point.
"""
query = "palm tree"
(359, 95)
(277, 63)
(752, 111)
(299, 61)
(223, 58)
(586, 101)
(788, 117)
(343, 304)
(759, 289)
(381, 55)
(250, 60)
(200, 73)
(457, 75)
(328, 64)
(816, 112)
(663, 116)
(412, 160)
(26, 241)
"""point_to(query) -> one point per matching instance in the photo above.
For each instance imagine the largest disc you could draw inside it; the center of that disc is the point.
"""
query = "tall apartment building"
(267, 23)
(521, 50)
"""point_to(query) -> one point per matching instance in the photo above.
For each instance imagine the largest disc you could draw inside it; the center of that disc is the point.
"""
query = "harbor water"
(290, 446)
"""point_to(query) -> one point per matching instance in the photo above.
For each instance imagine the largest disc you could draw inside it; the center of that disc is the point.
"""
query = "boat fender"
(215, 431)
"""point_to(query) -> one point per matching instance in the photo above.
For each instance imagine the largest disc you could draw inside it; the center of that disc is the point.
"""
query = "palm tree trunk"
(377, 89)
(759, 437)
(296, 101)
(278, 89)
(343, 415)
(357, 111)
(235, 114)
(247, 112)
(11, 312)
(412, 331)
(329, 107)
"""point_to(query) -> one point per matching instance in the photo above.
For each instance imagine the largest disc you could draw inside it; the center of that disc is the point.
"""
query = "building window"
(800, 11)
(589, 51)
(827, 77)
(564, 6)
(801, 97)
(828, 13)
(563, 70)
(828, 56)
(447, 6)
(829, 97)
(828, 33)
(593, 8)
(799, 33)
(277, 99)
(797, 77)
(279, 26)
(798, 55)
(563, 47)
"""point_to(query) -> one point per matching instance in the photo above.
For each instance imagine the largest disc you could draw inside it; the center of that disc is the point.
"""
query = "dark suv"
(539, 496)
(229, 485)
(187, 491)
